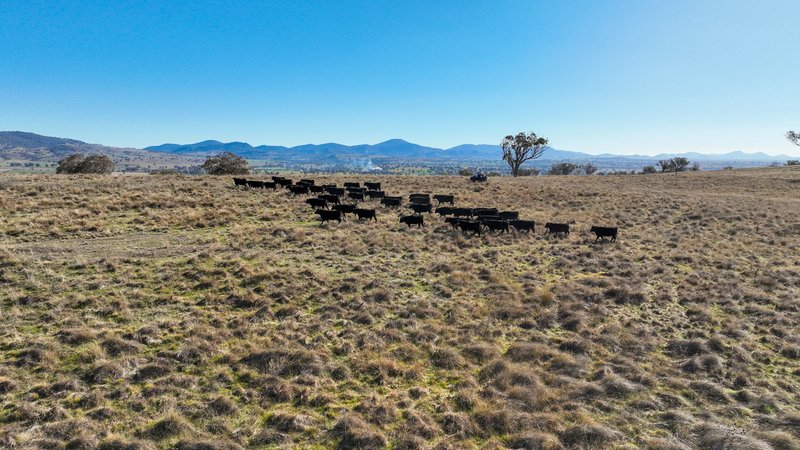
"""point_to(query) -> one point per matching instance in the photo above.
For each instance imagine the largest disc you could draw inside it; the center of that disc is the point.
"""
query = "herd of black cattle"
(329, 206)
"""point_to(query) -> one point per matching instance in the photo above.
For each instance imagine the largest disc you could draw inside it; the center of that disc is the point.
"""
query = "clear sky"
(627, 76)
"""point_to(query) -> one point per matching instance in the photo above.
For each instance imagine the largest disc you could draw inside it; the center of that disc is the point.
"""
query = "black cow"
(485, 218)
(484, 212)
(556, 228)
(335, 191)
(352, 184)
(393, 202)
(326, 215)
(307, 182)
(420, 208)
(470, 225)
(355, 189)
(334, 199)
(372, 186)
(420, 200)
(441, 198)
(344, 209)
(270, 185)
(428, 196)
(355, 196)
(365, 214)
(604, 232)
(462, 212)
(453, 221)
(284, 182)
(444, 210)
(376, 194)
(523, 226)
(316, 189)
(239, 182)
(496, 225)
(509, 215)
(297, 190)
(255, 184)
(419, 221)
(277, 178)
(317, 203)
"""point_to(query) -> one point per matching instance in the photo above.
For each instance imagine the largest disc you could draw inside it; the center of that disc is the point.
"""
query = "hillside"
(178, 312)
(19, 146)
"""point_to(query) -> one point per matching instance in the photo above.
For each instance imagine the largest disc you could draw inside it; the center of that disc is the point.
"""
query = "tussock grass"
(177, 312)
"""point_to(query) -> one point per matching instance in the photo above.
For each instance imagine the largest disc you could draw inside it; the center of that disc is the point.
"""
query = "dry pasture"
(179, 312)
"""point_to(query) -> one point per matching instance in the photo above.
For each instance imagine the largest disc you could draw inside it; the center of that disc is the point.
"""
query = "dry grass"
(177, 312)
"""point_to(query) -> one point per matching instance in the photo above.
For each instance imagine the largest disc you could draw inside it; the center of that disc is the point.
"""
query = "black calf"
(440, 198)
(421, 208)
(471, 226)
(413, 220)
(344, 209)
(373, 186)
(509, 215)
(297, 190)
(453, 221)
(484, 212)
(239, 182)
(317, 203)
(335, 191)
(523, 226)
(556, 228)
(496, 225)
(355, 195)
(604, 232)
(393, 202)
(334, 199)
(462, 212)
(444, 210)
(326, 215)
(365, 214)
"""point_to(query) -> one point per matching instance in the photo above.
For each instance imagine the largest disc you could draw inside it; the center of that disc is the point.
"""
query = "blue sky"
(595, 76)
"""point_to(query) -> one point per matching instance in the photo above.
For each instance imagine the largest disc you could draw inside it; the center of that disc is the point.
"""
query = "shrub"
(563, 169)
(793, 162)
(91, 164)
(226, 163)
(465, 172)
(528, 172)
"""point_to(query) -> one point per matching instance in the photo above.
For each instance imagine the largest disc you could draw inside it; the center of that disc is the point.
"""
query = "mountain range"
(18, 145)
(398, 148)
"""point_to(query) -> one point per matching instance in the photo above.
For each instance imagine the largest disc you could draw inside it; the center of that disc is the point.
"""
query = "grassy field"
(177, 312)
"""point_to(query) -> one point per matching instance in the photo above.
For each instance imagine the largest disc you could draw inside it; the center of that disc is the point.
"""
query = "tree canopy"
(677, 164)
(226, 163)
(77, 163)
(522, 147)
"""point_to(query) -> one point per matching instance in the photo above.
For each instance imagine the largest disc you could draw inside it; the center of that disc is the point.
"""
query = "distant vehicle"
(479, 177)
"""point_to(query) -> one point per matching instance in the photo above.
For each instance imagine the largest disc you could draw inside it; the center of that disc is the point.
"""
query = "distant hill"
(25, 146)
(398, 148)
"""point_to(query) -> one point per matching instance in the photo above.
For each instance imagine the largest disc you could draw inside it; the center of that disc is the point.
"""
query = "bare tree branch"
(793, 137)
